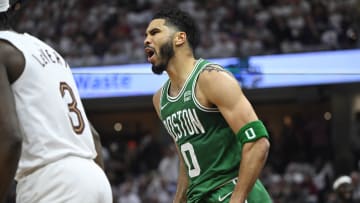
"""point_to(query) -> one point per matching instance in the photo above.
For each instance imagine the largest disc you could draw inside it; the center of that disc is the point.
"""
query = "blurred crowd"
(89, 32)
(143, 167)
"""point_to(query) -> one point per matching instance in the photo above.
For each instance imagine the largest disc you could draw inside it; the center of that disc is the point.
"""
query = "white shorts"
(70, 180)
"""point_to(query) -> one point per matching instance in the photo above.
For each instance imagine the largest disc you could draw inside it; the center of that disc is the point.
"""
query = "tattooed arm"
(217, 87)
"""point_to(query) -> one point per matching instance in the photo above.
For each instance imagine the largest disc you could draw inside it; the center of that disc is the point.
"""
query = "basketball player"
(211, 121)
(40, 106)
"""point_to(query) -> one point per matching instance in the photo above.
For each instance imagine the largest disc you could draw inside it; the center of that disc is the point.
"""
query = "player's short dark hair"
(183, 22)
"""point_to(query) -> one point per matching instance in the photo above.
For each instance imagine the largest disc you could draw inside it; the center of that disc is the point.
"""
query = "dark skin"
(11, 66)
(12, 63)
(99, 159)
(344, 193)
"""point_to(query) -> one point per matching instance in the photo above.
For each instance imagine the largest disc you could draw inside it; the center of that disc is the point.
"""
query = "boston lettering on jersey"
(45, 57)
(183, 123)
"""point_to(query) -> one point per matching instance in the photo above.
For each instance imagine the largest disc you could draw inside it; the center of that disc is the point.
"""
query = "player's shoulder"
(156, 101)
(156, 97)
(212, 67)
(9, 54)
(12, 59)
(213, 73)
(6, 49)
(157, 94)
(8, 41)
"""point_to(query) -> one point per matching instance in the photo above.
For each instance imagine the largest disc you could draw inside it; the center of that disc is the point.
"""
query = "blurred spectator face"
(344, 192)
(287, 120)
(355, 177)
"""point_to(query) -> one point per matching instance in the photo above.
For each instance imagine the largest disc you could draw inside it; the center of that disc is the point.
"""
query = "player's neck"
(180, 68)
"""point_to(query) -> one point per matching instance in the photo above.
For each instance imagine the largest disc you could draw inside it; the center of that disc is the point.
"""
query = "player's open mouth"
(150, 53)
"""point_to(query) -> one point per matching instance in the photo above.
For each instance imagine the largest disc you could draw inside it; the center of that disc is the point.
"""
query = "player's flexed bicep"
(218, 87)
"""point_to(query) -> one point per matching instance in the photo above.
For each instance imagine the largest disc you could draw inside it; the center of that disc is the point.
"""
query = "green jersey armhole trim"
(197, 103)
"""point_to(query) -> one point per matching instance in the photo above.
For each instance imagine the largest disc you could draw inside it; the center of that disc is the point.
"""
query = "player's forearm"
(180, 196)
(254, 157)
(98, 147)
(9, 158)
(99, 159)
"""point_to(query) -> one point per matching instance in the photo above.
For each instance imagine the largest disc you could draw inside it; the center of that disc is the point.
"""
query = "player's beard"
(166, 52)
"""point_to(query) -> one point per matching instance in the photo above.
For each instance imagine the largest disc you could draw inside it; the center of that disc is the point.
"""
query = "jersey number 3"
(77, 126)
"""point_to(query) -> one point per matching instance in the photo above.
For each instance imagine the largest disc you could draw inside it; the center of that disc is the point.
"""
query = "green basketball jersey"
(207, 144)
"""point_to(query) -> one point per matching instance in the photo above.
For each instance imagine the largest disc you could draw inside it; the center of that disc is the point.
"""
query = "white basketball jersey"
(48, 106)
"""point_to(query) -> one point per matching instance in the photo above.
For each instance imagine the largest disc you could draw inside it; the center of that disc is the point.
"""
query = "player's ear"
(180, 38)
(16, 4)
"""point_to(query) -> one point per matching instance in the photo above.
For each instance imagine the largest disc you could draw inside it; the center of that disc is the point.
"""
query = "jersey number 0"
(187, 150)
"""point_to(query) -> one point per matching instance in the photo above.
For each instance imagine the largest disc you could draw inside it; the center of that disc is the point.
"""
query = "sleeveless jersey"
(48, 106)
(208, 146)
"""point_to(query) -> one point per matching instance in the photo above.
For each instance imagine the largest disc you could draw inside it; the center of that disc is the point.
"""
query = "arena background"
(314, 128)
